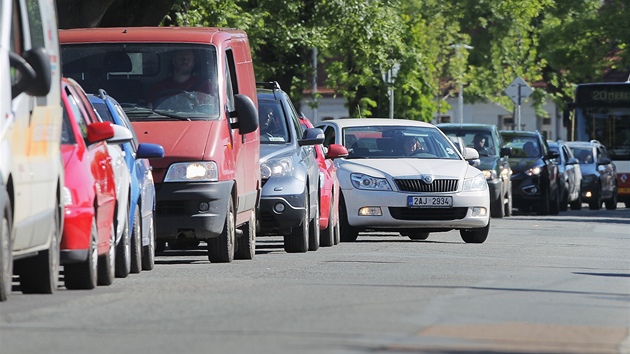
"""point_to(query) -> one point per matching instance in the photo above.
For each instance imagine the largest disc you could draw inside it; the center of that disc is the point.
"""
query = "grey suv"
(599, 174)
(289, 203)
(493, 161)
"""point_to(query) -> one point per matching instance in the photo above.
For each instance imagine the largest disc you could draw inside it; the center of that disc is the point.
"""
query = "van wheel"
(107, 261)
(148, 251)
(6, 255)
(84, 275)
(327, 236)
(313, 230)
(221, 248)
(297, 240)
(246, 248)
(136, 243)
(475, 235)
(40, 274)
(123, 251)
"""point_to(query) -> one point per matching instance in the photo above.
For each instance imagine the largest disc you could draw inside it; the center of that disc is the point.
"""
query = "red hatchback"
(329, 191)
(88, 240)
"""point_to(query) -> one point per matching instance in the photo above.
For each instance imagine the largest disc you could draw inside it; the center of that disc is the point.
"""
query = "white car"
(406, 176)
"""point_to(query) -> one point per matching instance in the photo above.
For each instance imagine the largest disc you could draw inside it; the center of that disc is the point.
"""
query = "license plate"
(423, 202)
(623, 191)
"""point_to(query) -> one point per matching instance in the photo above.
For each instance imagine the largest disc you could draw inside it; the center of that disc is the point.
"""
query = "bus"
(601, 111)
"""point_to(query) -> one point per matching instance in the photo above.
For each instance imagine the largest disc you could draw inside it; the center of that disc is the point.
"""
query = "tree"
(113, 13)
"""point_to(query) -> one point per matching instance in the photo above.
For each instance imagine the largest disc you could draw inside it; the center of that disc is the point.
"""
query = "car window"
(273, 126)
(329, 135)
(480, 140)
(523, 146)
(67, 134)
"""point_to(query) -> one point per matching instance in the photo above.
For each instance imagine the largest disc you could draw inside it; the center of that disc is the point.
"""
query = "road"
(539, 284)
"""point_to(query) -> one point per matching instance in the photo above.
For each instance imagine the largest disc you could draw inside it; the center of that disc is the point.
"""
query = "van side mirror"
(35, 69)
(246, 114)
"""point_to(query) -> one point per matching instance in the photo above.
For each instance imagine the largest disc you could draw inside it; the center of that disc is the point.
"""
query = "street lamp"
(460, 97)
(389, 76)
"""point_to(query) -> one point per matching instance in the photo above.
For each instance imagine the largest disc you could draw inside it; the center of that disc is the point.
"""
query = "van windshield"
(151, 81)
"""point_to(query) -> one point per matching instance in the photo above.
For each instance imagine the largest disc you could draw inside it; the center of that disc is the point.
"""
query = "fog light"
(279, 208)
(203, 206)
(588, 194)
(370, 211)
(479, 211)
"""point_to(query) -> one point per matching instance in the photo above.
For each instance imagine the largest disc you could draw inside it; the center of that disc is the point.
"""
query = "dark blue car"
(142, 194)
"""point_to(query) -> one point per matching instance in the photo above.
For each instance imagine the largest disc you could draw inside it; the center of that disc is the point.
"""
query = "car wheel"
(297, 240)
(221, 248)
(40, 274)
(107, 261)
(160, 246)
(564, 201)
(497, 209)
(611, 204)
(313, 230)
(337, 230)
(327, 236)
(123, 251)
(136, 243)
(84, 275)
(416, 234)
(577, 204)
(596, 201)
(475, 235)
(148, 251)
(508, 205)
(347, 233)
(545, 203)
(246, 244)
(6, 255)
(554, 206)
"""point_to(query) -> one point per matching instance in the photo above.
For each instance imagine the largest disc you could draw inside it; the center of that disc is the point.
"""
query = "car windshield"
(479, 140)
(273, 123)
(397, 142)
(523, 146)
(152, 81)
(583, 154)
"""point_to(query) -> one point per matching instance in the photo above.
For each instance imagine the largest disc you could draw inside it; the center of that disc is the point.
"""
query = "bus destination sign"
(603, 94)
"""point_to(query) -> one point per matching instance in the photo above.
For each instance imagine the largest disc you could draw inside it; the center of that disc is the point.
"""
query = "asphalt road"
(539, 284)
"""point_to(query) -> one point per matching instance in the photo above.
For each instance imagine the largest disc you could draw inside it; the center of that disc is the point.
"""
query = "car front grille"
(428, 213)
(418, 185)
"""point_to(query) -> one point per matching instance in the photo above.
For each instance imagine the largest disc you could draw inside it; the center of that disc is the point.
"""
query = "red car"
(329, 191)
(88, 240)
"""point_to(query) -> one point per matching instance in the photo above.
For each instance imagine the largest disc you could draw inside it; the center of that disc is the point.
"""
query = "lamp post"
(389, 76)
(460, 97)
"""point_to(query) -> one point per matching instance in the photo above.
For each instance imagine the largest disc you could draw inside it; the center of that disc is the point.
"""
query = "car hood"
(488, 162)
(410, 168)
(522, 164)
(268, 151)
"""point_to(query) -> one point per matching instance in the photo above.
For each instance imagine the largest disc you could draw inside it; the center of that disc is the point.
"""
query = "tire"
(297, 240)
(596, 202)
(497, 208)
(577, 204)
(475, 235)
(564, 201)
(416, 234)
(508, 205)
(221, 248)
(246, 244)
(544, 205)
(107, 262)
(136, 242)
(6, 253)
(327, 236)
(347, 233)
(123, 251)
(148, 251)
(611, 204)
(40, 274)
(313, 230)
(337, 228)
(554, 206)
(84, 275)
(160, 246)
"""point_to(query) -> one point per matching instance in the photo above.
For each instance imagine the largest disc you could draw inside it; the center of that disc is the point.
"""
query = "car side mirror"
(121, 135)
(604, 161)
(99, 131)
(336, 151)
(553, 155)
(149, 151)
(573, 161)
(506, 151)
(470, 154)
(312, 136)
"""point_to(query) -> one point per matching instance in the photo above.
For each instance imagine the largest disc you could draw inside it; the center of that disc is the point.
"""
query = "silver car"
(406, 176)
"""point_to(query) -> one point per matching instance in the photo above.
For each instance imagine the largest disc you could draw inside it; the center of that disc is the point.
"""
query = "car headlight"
(490, 174)
(477, 183)
(361, 181)
(534, 171)
(192, 172)
(280, 167)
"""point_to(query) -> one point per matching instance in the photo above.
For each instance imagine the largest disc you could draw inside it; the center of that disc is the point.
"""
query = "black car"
(534, 174)
(570, 176)
(493, 161)
(289, 203)
(599, 174)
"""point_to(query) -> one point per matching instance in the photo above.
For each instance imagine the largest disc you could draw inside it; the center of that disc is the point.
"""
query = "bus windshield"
(608, 125)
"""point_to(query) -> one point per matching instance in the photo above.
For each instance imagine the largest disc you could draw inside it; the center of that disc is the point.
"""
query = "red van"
(193, 91)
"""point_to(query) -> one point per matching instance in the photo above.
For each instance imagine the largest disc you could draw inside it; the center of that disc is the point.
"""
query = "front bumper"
(192, 210)
(77, 230)
(527, 189)
(282, 204)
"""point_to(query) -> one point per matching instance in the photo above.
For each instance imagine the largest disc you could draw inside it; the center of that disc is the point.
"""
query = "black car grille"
(428, 213)
(418, 185)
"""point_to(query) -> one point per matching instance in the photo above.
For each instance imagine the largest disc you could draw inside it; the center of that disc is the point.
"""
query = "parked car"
(31, 172)
(493, 161)
(289, 203)
(535, 183)
(142, 188)
(329, 188)
(407, 176)
(208, 183)
(88, 243)
(570, 176)
(599, 174)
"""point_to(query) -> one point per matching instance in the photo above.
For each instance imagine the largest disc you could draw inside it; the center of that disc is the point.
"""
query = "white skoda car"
(406, 176)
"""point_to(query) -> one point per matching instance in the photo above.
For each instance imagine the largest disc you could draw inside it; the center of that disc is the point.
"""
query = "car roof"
(520, 132)
(361, 122)
(470, 126)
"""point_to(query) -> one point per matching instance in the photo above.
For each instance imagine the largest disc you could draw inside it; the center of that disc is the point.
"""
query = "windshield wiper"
(140, 111)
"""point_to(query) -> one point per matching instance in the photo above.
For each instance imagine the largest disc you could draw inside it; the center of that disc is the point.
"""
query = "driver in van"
(181, 81)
